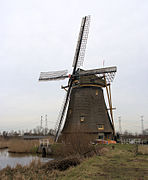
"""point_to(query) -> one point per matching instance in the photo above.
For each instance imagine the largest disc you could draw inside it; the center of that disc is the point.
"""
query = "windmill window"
(82, 118)
(100, 127)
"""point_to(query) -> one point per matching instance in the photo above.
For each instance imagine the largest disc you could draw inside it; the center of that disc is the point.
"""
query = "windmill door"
(100, 135)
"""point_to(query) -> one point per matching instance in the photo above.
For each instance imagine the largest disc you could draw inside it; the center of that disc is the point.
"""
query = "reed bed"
(4, 143)
(36, 170)
(20, 145)
(23, 146)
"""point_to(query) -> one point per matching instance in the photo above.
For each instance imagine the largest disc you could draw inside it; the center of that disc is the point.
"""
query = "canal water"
(12, 159)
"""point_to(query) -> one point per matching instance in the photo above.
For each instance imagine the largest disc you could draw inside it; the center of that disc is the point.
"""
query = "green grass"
(143, 149)
(120, 163)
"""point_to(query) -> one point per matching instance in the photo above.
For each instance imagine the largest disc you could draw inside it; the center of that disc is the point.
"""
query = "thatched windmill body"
(84, 109)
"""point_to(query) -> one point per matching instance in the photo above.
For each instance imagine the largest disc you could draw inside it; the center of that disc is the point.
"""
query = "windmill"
(84, 108)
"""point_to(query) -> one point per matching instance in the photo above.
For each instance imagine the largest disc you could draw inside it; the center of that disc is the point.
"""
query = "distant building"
(27, 137)
(131, 139)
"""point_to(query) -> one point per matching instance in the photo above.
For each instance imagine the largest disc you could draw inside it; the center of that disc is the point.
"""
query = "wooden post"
(111, 108)
(110, 103)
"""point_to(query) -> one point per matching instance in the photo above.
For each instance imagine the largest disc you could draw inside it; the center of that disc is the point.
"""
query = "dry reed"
(4, 143)
(23, 146)
(19, 145)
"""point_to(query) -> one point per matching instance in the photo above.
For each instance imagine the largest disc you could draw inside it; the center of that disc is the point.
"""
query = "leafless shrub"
(62, 164)
(79, 143)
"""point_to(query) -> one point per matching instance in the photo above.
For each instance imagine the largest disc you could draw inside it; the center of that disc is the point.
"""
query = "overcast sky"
(41, 35)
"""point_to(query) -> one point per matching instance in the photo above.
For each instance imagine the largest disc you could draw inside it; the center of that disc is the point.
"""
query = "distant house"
(131, 139)
(31, 137)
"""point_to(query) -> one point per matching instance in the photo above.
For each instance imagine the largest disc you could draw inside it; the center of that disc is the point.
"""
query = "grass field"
(119, 163)
(143, 149)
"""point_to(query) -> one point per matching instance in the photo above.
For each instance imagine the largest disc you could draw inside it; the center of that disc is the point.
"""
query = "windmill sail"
(99, 71)
(109, 73)
(59, 118)
(82, 41)
(53, 75)
(78, 60)
(62, 113)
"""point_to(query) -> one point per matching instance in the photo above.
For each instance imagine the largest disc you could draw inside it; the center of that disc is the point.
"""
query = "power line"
(46, 121)
(120, 128)
(142, 126)
(41, 122)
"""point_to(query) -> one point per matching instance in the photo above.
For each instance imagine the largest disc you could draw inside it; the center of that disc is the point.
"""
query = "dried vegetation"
(85, 161)
(116, 163)
(143, 149)
(19, 145)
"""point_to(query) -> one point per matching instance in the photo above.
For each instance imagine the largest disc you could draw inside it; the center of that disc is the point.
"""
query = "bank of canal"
(12, 159)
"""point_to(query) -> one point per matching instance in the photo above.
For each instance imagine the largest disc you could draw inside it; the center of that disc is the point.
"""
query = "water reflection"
(12, 159)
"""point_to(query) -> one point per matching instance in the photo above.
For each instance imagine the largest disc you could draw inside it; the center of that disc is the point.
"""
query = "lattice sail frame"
(84, 34)
(59, 116)
(108, 73)
(109, 77)
(53, 75)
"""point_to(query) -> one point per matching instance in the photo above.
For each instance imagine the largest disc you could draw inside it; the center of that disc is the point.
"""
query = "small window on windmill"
(96, 92)
(100, 127)
(82, 118)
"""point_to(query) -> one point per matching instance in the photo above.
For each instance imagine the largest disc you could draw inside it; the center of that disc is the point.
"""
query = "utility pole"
(46, 128)
(120, 128)
(142, 126)
(41, 122)
(46, 121)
